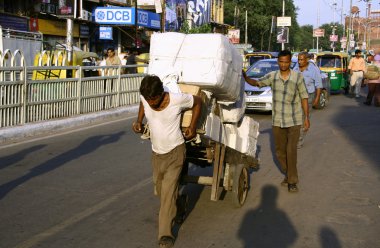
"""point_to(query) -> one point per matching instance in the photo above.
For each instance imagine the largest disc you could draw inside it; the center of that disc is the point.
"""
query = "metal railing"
(26, 98)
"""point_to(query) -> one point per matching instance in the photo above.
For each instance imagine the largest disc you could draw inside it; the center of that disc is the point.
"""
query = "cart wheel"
(240, 185)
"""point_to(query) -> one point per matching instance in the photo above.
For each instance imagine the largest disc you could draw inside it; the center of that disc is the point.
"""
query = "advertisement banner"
(234, 36)
(283, 35)
(318, 32)
(200, 11)
(175, 14)
(284, 21)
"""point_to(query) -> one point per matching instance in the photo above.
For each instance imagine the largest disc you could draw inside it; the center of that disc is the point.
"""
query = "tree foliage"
(259, 24)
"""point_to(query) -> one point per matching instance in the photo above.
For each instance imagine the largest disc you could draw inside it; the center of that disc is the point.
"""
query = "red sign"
(334, 37)
(318, 32)
(33, 24)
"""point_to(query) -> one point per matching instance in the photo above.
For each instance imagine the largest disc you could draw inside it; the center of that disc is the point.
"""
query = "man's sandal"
(166, 242)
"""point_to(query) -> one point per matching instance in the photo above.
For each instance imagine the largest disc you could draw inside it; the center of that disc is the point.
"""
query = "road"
(92, 188)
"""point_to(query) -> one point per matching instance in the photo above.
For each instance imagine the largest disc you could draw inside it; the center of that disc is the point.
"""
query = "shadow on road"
(329, 238)
(267, 226)
(19, 156)
(361, 124)
(86, 147)
(272, 148)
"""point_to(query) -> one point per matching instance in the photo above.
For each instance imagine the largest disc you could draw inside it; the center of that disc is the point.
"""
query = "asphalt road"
(92, 188)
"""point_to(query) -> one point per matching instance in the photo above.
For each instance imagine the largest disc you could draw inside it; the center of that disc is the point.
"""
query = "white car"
(260, 98)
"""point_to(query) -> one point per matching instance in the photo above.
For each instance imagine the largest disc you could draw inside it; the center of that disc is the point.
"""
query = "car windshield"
(253, 59)
(328, 62)
(261, 68)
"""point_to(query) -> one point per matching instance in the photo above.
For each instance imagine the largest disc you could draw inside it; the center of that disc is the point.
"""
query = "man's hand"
(137, 127)
(189, 133)
(306, 124)
(315, 102)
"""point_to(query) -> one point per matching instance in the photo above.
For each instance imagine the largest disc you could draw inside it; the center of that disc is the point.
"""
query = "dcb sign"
(126, 16)
(114, 15)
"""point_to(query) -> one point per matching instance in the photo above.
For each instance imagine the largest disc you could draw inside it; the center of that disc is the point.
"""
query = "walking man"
(357, 68)
(163, 113)
(313, 81)
(290, 104)
(373, 80)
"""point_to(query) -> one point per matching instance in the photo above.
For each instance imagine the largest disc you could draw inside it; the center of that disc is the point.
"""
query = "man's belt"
(357, 71)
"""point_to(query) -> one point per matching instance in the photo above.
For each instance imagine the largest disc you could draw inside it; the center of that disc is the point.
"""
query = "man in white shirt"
(163, 112)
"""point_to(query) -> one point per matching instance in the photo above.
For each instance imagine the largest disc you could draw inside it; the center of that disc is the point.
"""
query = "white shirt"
(164, 125)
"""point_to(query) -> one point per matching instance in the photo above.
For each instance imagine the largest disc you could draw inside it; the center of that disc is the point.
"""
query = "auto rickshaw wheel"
(240, 185)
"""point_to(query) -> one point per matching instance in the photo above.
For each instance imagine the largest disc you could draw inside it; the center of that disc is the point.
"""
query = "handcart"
(230, 169)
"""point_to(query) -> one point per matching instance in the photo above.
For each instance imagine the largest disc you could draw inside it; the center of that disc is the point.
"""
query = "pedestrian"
(112, 59)
(290, 100)
(313, 81)
(357, 68)
(132, 60)
(163, 113)
(372, 77)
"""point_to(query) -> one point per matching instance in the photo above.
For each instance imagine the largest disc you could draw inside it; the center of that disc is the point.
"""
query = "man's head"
(358, 53)
(111, 52)
(303, 59)
(284, 60)
(152, 90)
(370, 58)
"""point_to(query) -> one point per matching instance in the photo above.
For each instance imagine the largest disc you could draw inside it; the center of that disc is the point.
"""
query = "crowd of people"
(130, 59)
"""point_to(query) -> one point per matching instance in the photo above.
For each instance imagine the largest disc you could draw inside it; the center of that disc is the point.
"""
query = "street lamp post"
(283, 14)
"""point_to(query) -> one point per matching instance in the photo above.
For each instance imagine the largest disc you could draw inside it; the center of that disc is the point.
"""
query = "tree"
(259, 22)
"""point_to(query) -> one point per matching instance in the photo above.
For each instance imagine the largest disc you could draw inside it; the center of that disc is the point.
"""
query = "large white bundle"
(164, 49)
(205, 60)
(248, 127)
(241, 138)
(233, 113)
(211, 62)
(235, 140)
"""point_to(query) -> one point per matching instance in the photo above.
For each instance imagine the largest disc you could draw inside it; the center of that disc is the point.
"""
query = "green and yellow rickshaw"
(335, 64)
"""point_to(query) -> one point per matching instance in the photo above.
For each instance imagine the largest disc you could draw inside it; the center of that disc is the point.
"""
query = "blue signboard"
(148, 19)
(126, 16)
(105, 33)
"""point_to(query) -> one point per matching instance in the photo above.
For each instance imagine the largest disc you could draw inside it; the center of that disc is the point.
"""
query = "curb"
(18, 133)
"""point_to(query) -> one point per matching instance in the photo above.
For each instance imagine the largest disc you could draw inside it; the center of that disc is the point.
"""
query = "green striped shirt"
(286, 100)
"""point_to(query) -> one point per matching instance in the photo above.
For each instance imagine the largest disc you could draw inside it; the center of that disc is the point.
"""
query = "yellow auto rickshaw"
(335, 64)
(59, 58)
(253, 57)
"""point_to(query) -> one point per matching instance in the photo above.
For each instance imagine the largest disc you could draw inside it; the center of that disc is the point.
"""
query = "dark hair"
(111, 49)
(284, 53)
(357, 51)
(151, 86)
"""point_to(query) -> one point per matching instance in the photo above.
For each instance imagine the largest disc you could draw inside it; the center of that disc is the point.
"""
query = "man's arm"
(191, 131)
(318, 86)
(137, 126)
(305, 108)
(249, 80)
(137, 59)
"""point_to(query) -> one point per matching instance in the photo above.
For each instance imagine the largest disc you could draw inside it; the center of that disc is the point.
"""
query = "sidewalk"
(15, 134)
